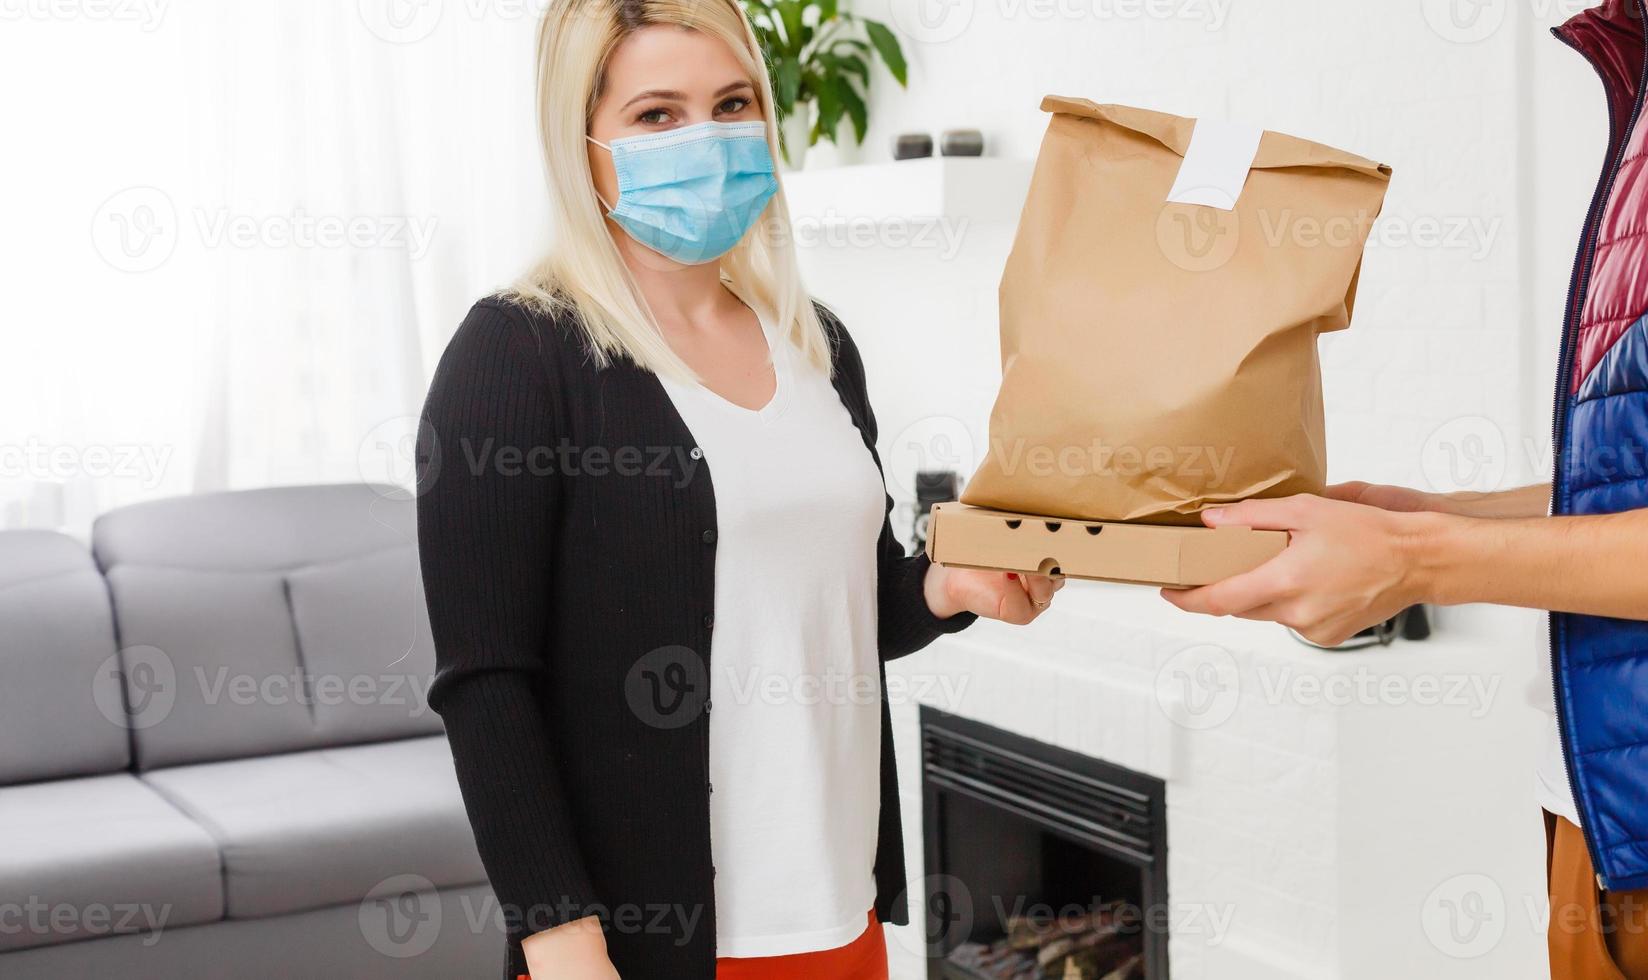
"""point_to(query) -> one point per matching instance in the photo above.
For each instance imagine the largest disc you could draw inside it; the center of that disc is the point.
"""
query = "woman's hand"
(1007, 596)
(575, 950)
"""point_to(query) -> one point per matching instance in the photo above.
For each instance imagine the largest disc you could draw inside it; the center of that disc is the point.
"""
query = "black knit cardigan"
(567, 534)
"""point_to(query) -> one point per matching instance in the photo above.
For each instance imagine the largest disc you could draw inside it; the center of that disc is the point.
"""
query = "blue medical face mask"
(690, 194)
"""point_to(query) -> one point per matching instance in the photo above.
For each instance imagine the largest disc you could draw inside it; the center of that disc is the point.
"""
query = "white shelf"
(970, 189)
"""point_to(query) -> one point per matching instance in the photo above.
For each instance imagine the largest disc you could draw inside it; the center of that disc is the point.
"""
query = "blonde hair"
(584, 273)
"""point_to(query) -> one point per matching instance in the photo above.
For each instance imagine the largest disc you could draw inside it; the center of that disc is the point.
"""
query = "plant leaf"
(886, 45)
(827, 10)
(850, 64)
(787, 85)
(829, 113)
(790, 11)
(854, 105)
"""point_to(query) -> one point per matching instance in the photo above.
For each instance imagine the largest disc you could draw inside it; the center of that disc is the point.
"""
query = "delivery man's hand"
(1350, 565)
(1006, 596)
(1346, 567)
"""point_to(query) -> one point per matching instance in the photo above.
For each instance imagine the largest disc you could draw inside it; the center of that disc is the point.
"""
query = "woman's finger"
(1040, 589)
(1013, 603)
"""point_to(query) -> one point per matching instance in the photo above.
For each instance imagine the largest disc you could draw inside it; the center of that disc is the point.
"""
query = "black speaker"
(932, 487)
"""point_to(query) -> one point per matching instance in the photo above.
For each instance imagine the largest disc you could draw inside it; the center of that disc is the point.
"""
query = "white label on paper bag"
(1216, 164)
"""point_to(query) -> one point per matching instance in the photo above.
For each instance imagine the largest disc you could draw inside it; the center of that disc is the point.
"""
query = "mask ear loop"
(598, 196)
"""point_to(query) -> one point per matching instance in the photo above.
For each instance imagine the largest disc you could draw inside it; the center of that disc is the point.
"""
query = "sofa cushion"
(364, 631)
(212, 664)
(257, 530)
(316, 828)
(97, 856)
(277, 620)
(61, 709)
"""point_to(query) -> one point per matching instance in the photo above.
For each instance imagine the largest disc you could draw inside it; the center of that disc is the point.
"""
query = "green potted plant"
(819, 57)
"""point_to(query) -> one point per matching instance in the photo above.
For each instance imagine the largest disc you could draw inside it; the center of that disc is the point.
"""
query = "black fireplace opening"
(1042, 863)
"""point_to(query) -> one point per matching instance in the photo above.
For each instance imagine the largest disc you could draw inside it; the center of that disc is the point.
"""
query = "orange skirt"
(865, 958)
(1593, 935)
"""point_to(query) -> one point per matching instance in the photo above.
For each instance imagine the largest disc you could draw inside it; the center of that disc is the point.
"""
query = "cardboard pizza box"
(1143, 554)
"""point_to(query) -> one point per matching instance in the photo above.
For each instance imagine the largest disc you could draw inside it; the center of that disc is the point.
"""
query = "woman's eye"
(733, 106)
(653, 117)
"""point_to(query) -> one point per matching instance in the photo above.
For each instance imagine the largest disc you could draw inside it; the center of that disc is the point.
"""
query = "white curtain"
(243, 232)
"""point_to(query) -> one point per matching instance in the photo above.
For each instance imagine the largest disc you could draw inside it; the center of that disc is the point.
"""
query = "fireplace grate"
(1098, 811)
(1022, 840)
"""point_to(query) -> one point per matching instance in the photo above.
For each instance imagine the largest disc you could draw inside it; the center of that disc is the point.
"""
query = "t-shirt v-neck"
(778, 354)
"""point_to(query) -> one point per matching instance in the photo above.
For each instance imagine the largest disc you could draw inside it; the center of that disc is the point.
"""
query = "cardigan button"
(709, 621)
(696, 453)
(709, 536)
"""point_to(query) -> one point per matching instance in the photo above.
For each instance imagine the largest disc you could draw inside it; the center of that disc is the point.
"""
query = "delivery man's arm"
(1350, 565)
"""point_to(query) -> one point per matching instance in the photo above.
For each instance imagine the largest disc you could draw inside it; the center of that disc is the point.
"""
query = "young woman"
(651, 498)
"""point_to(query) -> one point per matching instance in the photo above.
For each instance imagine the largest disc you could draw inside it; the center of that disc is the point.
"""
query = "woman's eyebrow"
(674, 96)
(656, 93)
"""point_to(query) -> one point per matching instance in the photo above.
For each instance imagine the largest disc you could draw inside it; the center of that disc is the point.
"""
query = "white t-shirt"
(795, 722)
(1551, 787)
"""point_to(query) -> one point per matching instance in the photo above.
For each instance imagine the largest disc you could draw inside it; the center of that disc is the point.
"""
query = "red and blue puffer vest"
(1600, 665)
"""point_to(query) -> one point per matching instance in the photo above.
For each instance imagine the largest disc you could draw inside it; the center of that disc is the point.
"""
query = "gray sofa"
(215, 754)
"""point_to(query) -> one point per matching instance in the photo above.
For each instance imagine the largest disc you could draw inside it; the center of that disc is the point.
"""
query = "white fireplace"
(1343, 815)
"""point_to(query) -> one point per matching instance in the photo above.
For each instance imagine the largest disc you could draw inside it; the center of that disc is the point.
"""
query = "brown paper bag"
(1159, 358)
